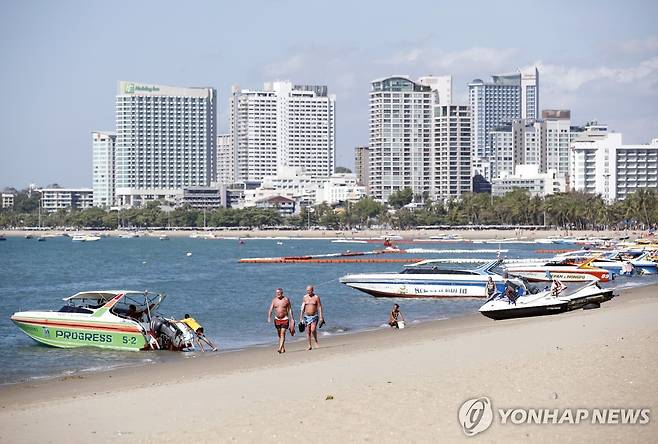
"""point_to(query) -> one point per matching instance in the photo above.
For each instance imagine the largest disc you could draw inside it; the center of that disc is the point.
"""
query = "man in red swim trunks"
(283, 318)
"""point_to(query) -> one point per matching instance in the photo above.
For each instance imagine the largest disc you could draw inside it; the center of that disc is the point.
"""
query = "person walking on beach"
(312, 314)
(395, 317)
(283, 317)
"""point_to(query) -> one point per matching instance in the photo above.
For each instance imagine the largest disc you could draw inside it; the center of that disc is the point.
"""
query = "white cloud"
(560, 78)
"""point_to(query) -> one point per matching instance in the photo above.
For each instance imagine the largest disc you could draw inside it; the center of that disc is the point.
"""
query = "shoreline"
(596, 358)
(372, 234)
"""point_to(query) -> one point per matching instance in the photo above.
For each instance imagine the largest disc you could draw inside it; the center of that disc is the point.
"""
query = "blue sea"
(228, 298)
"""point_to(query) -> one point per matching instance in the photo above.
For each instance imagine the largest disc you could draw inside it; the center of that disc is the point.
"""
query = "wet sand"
(378, 386)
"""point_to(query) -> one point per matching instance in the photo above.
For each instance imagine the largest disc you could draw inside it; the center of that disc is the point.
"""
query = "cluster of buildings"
(280, 149)
(498, 141)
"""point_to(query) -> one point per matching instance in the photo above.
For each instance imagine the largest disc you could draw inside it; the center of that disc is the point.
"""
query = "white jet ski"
(545, 302)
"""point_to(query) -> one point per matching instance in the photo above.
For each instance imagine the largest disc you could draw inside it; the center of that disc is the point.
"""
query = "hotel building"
(165, 140)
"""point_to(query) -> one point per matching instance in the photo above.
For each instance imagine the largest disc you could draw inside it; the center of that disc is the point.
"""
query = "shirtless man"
(283, 317)
(312, 315)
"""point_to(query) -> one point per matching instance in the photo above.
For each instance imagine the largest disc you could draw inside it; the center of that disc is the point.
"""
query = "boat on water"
(614, 261)
(562, 269)
(432, 279)
(110, 319)
(546, 303)
(85, 238)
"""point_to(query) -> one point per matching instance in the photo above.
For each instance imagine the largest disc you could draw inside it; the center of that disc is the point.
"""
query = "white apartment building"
(53, 199)
(225, 159)
(556, 134)
(527, 177)
(165, 140)
(601, 164)
(283, 125)
(450, 158)
(503, 100)
(341, 187)
(400, 136)
(103, 145)
(7, 200)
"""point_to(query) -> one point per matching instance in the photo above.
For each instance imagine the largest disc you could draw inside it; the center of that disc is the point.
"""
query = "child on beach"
(396, 317)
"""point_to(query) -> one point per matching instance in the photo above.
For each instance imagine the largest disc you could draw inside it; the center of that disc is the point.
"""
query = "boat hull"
(429, 290)
(526, 312)
(70, 334)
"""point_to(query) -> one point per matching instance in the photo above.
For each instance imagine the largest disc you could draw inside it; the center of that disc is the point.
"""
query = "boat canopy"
(102, 295)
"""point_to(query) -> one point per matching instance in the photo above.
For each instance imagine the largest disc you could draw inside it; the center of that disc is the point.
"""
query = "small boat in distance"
(85, 238)
(432, 279)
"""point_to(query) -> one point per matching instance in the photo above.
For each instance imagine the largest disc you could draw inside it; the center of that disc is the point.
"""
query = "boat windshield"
(137, 306)
(436, 270)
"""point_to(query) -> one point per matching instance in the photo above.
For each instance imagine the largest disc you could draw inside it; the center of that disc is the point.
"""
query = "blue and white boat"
(433, 279)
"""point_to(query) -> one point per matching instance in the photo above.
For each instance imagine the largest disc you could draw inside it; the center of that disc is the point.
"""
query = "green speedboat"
(112, 319)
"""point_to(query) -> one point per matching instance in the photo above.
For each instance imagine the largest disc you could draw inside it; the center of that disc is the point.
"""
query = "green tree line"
(573, 210)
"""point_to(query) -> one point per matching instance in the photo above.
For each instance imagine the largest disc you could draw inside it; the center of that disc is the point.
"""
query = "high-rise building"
(362, 164)
(451, 151)
(506, 98)
(166, 140)
(400, 136)
(281, 126)
(517, 143)
(103, 144)
(225, 159)
(556, 138)
(601, 164)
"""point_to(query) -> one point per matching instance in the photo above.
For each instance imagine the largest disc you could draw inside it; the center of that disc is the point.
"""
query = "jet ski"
(546, 302)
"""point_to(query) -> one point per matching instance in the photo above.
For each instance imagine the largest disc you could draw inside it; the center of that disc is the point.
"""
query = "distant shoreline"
(466, 235)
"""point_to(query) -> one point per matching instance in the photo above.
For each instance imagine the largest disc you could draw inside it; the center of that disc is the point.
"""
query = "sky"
(60, 62)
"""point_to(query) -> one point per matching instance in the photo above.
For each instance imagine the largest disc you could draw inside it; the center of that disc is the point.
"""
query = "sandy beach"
(378, 386)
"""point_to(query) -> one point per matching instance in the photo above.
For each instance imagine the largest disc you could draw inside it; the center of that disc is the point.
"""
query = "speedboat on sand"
(431, 279)
(546, 303)
(563, 269)
(112, 319)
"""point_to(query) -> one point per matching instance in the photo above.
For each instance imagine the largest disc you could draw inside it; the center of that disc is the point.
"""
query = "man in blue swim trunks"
(312, 315)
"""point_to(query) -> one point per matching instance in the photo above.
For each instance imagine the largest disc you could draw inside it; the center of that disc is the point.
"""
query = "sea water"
(203, 278)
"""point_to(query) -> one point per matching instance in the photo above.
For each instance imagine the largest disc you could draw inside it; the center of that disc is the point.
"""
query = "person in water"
(199, 332)
(395, 316)
(312, 314)
(283, 317)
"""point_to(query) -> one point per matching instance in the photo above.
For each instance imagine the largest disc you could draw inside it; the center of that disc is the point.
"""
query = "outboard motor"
(171, 335)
